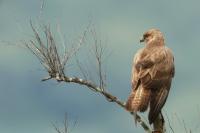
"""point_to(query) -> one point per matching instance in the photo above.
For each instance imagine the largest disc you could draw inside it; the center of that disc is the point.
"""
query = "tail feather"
(138, 100)
(157, 101)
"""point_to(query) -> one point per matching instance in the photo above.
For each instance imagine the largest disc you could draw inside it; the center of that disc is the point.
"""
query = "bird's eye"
(146, 35)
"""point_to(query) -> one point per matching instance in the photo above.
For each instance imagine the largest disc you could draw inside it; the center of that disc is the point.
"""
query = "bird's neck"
(154, 44)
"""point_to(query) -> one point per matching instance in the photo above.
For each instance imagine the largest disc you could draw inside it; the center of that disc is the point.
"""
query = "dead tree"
(55, 62)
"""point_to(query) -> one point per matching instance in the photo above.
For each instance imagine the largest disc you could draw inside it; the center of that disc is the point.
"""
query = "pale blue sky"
(28, 105)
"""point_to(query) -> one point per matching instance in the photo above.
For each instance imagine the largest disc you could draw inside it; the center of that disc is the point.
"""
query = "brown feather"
(158, 99)
(138, 100)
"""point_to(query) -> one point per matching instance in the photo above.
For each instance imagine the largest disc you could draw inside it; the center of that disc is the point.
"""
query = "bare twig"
(185, 128)
(179, 120)
(56, 128)
(65, 124)
(98, 52)
(82, 70)
(41, 8)
(170, 126)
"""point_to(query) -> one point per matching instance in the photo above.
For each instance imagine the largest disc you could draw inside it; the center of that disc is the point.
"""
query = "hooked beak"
(142, 40)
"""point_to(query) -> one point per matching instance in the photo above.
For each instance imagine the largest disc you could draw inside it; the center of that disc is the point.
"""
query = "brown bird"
(152, 73)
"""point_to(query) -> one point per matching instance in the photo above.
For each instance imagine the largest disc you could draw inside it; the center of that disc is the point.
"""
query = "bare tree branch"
(54, 63)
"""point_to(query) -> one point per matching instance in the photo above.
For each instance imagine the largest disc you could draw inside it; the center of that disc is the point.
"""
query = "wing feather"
(158, 99)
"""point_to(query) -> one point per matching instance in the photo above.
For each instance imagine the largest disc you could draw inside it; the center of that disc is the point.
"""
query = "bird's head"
(153, 37)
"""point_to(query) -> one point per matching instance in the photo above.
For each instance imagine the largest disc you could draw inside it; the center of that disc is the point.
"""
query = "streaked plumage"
(152, 73)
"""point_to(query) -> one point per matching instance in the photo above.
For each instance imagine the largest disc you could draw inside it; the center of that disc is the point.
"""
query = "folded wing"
(152, 73)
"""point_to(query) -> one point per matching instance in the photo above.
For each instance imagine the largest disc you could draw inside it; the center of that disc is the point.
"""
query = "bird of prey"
(152, 73)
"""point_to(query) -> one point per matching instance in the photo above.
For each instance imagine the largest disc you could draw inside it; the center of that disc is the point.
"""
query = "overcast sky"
(29, 106)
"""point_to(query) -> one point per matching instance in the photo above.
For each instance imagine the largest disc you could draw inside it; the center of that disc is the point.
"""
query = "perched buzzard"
(152, 73)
